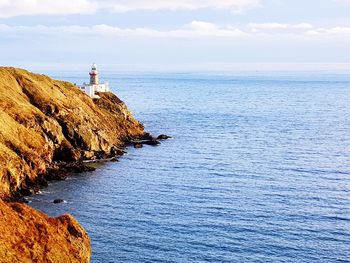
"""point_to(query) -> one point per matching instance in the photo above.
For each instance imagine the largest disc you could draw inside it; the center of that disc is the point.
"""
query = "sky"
(176, 35)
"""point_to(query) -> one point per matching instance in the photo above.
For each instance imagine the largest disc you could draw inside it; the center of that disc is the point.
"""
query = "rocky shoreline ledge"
(58, 171)
(50, 129)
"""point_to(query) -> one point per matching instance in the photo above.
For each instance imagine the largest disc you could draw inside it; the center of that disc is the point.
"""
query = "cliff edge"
(45, 125)
(45, 122)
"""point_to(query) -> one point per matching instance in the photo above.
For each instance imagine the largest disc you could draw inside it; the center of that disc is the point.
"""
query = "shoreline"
(61, 171)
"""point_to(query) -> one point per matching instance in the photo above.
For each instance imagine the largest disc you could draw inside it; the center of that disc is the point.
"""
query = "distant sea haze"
(258, 171)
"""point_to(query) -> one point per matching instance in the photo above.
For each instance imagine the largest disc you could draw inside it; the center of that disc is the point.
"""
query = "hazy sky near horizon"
(175, 35)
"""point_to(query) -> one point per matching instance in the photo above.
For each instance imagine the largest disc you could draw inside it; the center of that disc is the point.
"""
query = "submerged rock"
(58, 201)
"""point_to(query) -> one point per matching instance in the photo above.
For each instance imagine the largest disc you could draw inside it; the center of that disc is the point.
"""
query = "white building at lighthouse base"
(91, 89)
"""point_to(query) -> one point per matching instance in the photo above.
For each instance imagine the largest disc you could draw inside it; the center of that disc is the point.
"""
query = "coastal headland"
(48, 128)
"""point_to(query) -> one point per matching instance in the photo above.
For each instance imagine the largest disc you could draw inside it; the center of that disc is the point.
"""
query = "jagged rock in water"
(58, 201)
(163, 137)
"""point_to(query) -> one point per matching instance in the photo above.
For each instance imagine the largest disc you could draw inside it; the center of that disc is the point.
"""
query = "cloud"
(235, 6)
(300, 30)
(330, 31)
(279, 26)
(193, 30)
(12, 8)
(195, 42)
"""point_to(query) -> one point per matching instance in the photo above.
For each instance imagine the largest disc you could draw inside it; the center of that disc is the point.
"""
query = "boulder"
(58, 201)
(138, 145)
(163, 137)
(152, 142)
(146, 137)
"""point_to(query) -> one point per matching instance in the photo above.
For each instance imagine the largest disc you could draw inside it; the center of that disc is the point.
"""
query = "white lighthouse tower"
(94, 85)
(94, 75)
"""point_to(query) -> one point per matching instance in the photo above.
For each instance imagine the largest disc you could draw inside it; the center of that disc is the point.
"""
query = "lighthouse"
(94, 86)
(94, 75)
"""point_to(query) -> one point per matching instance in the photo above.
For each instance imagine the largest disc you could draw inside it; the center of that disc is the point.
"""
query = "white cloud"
(263, 27)
(299, 30)
(330, 31)
(193, 30)
(235, 6)
(12, 8)
(206, 29)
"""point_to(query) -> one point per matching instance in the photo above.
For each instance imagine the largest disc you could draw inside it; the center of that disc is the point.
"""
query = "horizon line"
(200, 67)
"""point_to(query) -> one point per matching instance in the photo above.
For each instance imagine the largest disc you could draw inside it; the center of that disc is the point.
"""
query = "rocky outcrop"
(44, 122)
(30, 236)
(47, 128)
(163, 137)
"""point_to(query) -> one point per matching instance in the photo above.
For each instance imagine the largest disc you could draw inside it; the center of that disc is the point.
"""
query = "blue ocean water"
(258, 171)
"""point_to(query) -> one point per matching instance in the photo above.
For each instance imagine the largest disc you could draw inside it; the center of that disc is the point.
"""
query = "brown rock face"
(44, 121)
(44, 125)
(30, 236)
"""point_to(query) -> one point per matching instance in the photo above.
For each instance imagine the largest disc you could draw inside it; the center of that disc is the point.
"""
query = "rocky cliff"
(44, 122)
(45, 125)
(27, 235)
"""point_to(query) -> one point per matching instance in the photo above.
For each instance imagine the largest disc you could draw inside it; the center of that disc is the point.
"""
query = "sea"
(258, 170)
